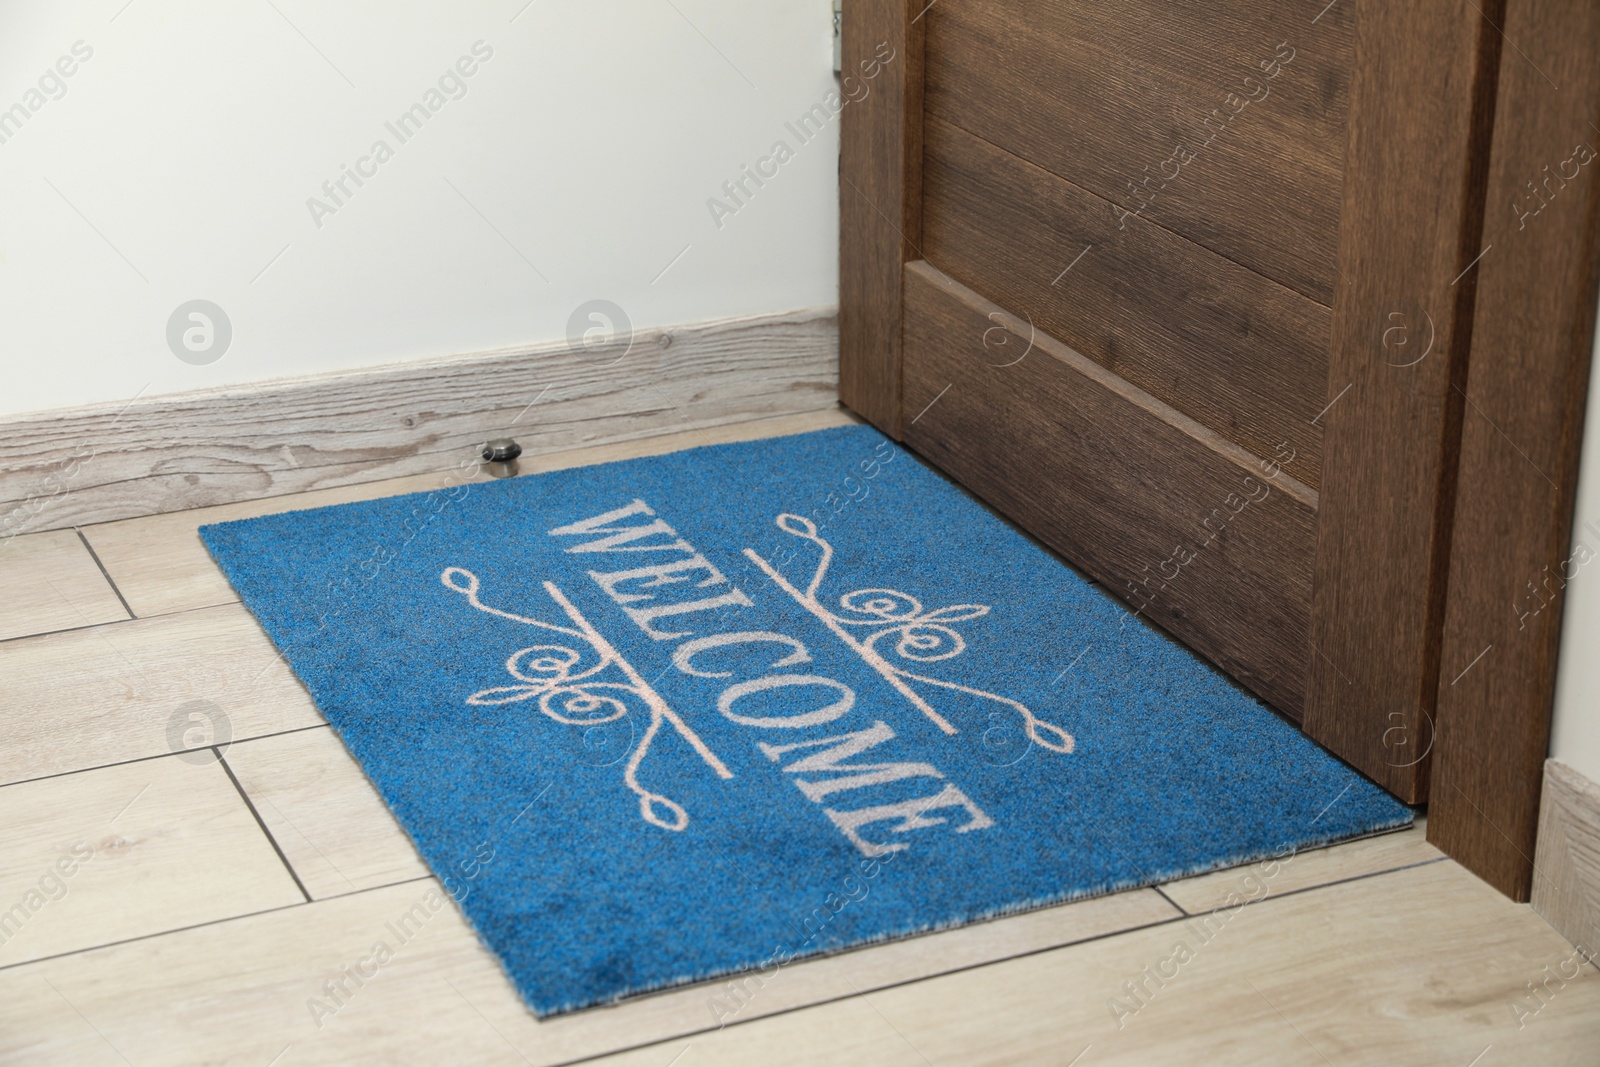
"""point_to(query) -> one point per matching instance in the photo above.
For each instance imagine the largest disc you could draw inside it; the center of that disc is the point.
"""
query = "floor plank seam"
(860, 993)
(105, 573)
(1183, 912)
(158, 755)
(758, 1019)
(972, 967)
(191, 608)
(262, 823)
(198, 926)
(64, 630)
(1346, 881)
(1181, 909)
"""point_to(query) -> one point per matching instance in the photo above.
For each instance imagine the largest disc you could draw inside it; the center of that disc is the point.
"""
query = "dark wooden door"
(1184, 289)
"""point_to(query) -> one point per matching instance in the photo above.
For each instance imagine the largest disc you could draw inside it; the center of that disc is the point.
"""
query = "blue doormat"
(666, 719)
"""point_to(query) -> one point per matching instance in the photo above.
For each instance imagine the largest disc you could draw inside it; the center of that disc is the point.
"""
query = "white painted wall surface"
(576, 163)
(1575, 734)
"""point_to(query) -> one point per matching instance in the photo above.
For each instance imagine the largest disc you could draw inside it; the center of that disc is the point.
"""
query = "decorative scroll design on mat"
(550, 674)
(920, 635)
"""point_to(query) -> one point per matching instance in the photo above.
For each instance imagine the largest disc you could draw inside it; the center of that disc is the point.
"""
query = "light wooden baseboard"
(1566, 881)
(170, 453)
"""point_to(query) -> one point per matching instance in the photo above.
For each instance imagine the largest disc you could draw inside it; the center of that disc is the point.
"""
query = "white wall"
(177, 161)
(1575, 736)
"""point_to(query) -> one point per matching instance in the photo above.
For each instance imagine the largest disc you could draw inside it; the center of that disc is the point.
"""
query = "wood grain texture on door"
(1239, 353)
(1511, 553)
(1421, 105)
(880, 198)
(1191, 531)
(1251, 237)
(1105, 95)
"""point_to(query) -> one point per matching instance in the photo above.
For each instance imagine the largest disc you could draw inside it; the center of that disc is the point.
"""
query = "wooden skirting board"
(169, 453)
(1566, 882)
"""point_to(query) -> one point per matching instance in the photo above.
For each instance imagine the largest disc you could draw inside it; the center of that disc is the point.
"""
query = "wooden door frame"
(1417, 135)
(880, 200)
(1521, 436)
(1413, 570)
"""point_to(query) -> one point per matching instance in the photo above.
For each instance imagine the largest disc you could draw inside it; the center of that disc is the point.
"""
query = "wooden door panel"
(1187, 528)
(1242, 355)
(1358, 181)
(1100, 93)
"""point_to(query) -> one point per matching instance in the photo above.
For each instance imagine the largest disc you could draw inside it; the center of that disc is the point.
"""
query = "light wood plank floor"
(188, 856)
